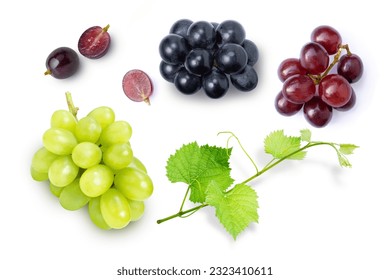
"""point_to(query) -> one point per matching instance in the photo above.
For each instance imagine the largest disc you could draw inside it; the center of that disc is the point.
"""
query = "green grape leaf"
(306, 135)
(236, 208)
(279, 145)
(198, 166)
(347, 149)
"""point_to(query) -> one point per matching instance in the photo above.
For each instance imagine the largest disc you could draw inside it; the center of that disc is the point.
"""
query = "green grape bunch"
(89, 162)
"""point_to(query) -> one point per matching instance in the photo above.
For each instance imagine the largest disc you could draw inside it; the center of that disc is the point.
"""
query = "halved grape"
(62, 63)
(94, 42)
(137, 86)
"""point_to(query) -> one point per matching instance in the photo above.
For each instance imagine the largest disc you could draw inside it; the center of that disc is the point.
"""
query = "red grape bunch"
(208, 55)
(310, 83)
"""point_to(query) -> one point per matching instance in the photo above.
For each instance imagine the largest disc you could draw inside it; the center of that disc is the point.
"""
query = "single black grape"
(174, 49)
(215, 83)
(62, 63)
(199, 61)
(201, 34)
(168, 71)
(231, 58)
(246, 80)
(186, 82)
(230, 31)
(180, 27)
(252, 51)
(350, 67)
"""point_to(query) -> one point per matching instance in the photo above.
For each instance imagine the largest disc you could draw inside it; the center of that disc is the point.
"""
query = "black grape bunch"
(208, 55)
(315, 83)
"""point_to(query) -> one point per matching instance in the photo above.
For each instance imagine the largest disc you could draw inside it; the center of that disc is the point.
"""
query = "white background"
(317, 220)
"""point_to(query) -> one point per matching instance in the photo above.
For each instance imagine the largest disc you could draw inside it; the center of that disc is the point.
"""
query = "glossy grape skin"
(59, 141)
(173, 49)
(137, 164)
(317, 112)
(95, 213)
(87, 130)
(350, 67)
(118, 156)
(103, 115)
(169, 71)
(86, 155)
(290, 67)
(186, 82)
(115, 209)
(251, 50)
(246, 80)
(134, 184)
(298, 89)
(117, 132)
(215, 83)
(328, 37)
(334, 90)
(349, 105)
(63, 171)
(42, 159)
(72, 198)
(230, 31)
(96, 180)
(94, 42)
(62, 63)
(199, 61)
(63, 119)
(201, 34)
(231, 58)
(285, 107)
(137, 209)
(180, 27)
(314, 58)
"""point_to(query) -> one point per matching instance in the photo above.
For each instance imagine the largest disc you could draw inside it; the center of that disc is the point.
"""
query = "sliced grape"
(62, 63)
(94, 42)
(137, 86)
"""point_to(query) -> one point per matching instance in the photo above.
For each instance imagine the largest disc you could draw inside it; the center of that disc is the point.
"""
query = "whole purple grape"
(62, 63)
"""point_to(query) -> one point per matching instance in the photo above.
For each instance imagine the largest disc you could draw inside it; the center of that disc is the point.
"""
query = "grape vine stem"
(72, 109)
(272, 163)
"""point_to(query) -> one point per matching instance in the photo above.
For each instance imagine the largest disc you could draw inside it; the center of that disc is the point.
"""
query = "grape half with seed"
(137, 86)
(94, 42)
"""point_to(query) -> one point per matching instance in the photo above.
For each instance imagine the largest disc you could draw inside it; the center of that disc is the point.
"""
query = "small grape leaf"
(347, 149)
(198, 166)
(235, 208)
(306, 135)
(279, 145)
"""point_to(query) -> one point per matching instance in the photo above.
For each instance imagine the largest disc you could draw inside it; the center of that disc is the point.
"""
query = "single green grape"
(117, 132)
(38, 176)
(103, 115)
(96, 180)
(42, 159)
(115, 209)
(86, 154)
(88, 130)
(59, 141)
(55, 190)
(118, 156)
(63, 119)
(137, 209)
(137, 163)
(134, 183)
(63, 171)
(72, 198)
(95, 213)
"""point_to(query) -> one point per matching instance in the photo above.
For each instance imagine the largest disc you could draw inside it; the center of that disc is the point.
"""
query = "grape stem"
(72, 109)
(317, 78)
(272, 163)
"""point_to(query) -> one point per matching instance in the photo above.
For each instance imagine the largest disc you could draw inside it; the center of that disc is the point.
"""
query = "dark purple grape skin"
(246, 80)
(231, 58)
(168, 71)
(180, 27)
(215, 83)
(317, 112)
(201, 34)
(314, 58)
(285, 107)
(230, 31)
(350, 104)
(62, 63)
(173, 49)
(350, 67)
(199, 61)
(186, 82)
(252, 51)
